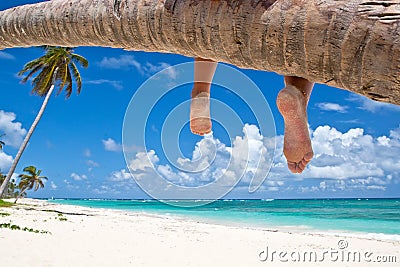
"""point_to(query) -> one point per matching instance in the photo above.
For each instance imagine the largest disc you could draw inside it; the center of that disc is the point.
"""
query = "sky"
(80, 142)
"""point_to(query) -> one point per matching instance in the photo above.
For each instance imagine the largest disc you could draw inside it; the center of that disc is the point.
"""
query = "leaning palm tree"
(11, 190)
(30, 180)
(55, 69)
(351, 44)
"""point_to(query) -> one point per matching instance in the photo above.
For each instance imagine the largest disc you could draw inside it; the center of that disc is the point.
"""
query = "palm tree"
(10, 192)
(335, 42)
(56, 69)
(30, 180)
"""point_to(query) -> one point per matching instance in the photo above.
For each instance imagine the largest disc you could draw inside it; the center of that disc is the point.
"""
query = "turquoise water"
(378, 216)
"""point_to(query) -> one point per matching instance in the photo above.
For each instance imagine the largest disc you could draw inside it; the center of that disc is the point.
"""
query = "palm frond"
(62, 77)
(31, 73)
(32, 64)
(77, 77)
(30, 169)
(80, 60)
(57, 67)
(68, 90)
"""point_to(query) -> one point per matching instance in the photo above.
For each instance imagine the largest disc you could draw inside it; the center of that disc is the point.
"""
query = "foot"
(292, 104)
(200, 122)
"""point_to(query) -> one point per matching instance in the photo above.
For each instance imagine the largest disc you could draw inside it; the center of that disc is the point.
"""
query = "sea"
(376, 218)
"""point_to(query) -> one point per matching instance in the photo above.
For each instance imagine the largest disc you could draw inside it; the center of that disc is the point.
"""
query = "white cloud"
(53, 185)
(4, 55)
(122, 61)
(332, 107)
(111, 145)
(371, 105)
(117, 85)
(144, 160)
(78, 177)
(14, 133)
(119, 176)
(5, 161)
(128, 62)
(92, 163)
(212, 160)
(87, 153)
(343, 160)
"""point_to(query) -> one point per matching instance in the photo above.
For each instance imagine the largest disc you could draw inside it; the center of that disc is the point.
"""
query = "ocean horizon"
(374, 217)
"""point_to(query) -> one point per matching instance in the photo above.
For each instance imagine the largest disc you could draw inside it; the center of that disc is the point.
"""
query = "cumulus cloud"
(12, 130)
(332, 107)
(111, 145)
(5, 161)
(129, 62)
(122, 175)
(351, 160)
(77, 177)
(53, 185)
(212, 162)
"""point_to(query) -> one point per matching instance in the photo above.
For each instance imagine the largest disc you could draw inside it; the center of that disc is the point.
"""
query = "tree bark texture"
(350, 44)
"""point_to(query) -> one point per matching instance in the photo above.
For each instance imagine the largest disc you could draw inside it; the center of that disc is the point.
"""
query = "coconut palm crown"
(58, 66)
(30, 180)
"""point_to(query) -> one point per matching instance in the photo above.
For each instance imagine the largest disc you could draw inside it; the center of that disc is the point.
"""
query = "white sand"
(100, 237)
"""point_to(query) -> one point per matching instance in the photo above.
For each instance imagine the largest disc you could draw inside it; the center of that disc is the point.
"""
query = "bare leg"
(292, 103)
(200, 122)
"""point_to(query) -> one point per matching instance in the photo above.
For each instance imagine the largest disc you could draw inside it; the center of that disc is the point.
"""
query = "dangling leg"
(200, 122)
(292, 103)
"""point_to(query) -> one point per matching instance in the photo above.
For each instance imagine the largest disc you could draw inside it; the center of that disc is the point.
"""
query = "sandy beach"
(79, 236)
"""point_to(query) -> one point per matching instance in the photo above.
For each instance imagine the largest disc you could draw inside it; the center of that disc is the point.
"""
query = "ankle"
(200, 87)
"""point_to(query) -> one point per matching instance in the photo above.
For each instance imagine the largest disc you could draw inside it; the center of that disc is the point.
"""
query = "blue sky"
(78, 143)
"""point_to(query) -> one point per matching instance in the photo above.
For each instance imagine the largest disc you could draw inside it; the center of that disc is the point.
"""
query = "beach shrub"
(4, 214)
(26, 229)
(5, 204)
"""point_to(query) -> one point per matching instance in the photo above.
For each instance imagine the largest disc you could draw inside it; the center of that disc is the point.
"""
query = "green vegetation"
(54, 69)
(61, 217)
(31, 179)
(5, 204)
(4, 214)
(12, 188)
(26, 229)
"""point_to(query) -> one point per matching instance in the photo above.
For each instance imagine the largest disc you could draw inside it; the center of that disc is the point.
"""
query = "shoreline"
(83, 236)
(301, 229)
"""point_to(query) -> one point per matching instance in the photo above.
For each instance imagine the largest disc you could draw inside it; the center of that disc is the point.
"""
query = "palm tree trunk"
(4, 185)
(350, 44)
(20, 194)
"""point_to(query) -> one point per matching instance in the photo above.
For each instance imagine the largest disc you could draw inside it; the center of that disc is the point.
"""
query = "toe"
(308, 157)
(292, 166)
(299, 168)
(302, 165)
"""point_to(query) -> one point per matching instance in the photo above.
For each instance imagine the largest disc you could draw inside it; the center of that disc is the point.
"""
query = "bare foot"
(292, 104)
(200, 122)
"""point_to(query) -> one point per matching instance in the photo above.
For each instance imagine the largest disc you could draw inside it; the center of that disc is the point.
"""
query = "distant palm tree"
(11, 190)
(57, 69)
(30, 180)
